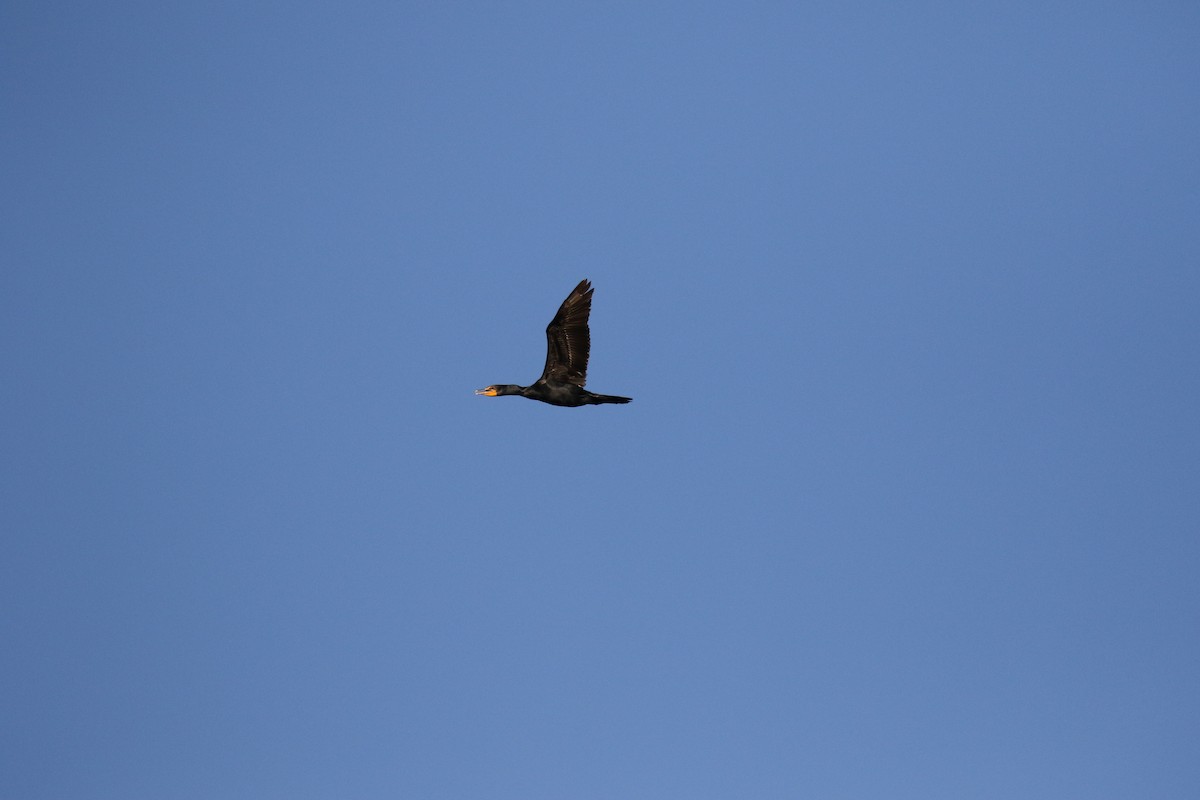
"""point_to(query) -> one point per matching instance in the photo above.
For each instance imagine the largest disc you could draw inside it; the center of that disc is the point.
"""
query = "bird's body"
(568, 343)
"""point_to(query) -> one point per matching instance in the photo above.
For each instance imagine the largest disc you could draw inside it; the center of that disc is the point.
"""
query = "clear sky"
(907, 503)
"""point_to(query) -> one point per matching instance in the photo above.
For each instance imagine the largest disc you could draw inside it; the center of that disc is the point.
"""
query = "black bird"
(567, 345)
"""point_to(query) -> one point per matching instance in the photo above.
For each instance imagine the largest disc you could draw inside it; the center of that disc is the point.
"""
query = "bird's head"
(499, 389)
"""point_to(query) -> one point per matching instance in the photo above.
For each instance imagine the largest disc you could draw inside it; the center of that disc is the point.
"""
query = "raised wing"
(568, 340)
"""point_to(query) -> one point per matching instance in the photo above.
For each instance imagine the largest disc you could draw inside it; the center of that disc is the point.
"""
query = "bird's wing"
(567, 338)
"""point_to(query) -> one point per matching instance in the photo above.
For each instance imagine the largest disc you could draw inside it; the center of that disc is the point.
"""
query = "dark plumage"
(567, 344)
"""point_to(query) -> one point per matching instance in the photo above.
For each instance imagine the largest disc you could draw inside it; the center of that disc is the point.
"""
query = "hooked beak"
(488, 392)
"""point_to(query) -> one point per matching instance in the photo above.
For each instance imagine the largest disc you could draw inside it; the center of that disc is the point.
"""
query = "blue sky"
(906, 502)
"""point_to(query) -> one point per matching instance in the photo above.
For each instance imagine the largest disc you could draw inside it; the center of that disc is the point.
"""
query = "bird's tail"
(611, 398)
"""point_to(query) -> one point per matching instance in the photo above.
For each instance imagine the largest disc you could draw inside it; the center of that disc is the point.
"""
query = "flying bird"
(567, 344)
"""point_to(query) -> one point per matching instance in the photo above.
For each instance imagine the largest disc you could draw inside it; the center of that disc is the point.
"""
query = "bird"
(567, 344)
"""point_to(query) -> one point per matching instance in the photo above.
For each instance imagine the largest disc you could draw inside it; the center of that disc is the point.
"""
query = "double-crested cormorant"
(567, 345)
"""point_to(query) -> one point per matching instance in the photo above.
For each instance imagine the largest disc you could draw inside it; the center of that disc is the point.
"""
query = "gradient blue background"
(906, 504)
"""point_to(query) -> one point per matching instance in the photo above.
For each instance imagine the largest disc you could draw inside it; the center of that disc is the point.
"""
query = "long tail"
(610, 398)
